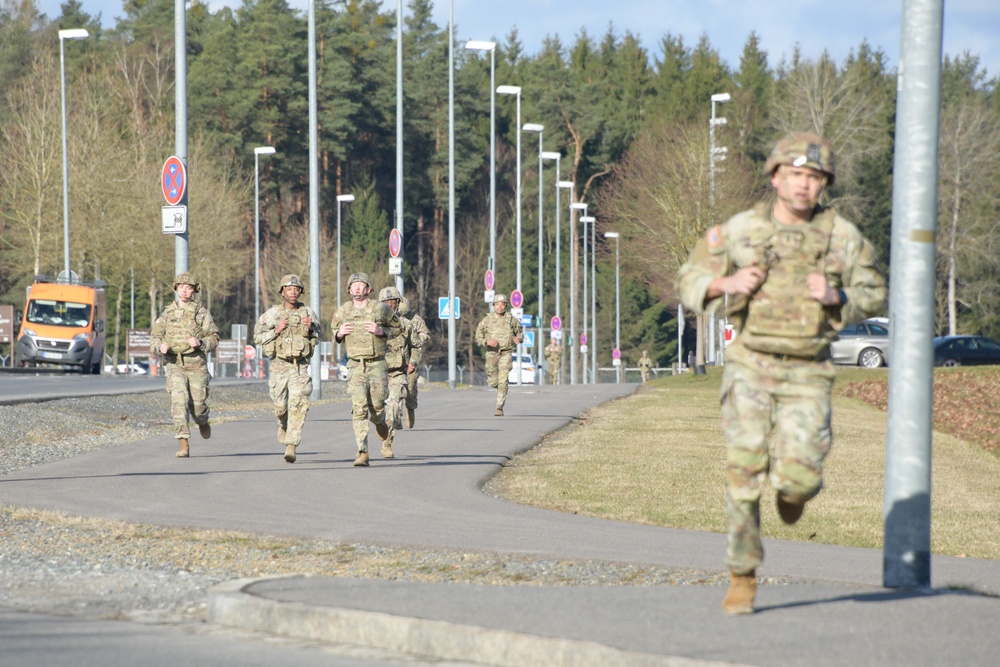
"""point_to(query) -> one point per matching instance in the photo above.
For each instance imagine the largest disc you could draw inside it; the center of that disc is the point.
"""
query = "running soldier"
(500, 334)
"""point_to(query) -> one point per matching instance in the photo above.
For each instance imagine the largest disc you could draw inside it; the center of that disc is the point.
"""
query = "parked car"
(342, 369)
(965, 351)
(863, 344)
(527, 369)
(138, 368)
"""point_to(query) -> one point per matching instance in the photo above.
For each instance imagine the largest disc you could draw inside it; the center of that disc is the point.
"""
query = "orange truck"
(64, 325)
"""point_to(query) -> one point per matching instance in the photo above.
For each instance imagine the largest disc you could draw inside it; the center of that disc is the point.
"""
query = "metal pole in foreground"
(257, 152)
(76, 33)
(180, 123)
(452, 343)
(618, 302)
(341, 199)
(399, 147)
(314, 296)
(907, 512)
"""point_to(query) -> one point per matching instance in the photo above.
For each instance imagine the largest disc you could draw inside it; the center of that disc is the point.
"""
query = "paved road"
(834, 613)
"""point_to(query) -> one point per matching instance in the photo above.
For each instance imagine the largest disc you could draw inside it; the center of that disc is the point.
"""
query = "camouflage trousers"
(290, 387)
(412, 379)
(776, 419)
(396, 406)
(554, 372)
(498, 365)
(368, 385)
(645, 375)
(187, 384)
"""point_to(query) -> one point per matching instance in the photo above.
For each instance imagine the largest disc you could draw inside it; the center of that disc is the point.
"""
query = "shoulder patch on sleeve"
(714, 238)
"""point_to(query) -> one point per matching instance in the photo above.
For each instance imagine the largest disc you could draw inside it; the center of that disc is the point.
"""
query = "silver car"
(864, 344)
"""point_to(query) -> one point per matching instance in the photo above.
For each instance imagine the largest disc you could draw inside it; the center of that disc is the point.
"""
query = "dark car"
(863, 344)
(965, 351)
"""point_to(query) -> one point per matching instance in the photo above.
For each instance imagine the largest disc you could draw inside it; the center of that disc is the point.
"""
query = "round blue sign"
(516, 299)
(555, 323)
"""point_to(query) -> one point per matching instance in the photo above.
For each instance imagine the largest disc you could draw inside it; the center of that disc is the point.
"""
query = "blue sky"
(835, 26)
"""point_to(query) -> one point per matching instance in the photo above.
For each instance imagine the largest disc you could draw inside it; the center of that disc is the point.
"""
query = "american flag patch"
(713, 237)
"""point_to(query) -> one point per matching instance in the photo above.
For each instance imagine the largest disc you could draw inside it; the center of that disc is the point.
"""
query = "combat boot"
(741, 593)
(411, 417)
(498, 412)
(387, 449)
(290, 453)
(788, 511)
(382, 429)
(205, 430)
(361, 459)
(184, 452)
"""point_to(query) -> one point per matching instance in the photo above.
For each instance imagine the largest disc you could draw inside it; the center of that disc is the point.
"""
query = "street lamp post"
(74, 33)
(516, 90)
(718, 98)
(536, 127)
(257, 152)
(592, 339)
(575, 206)
(341, 199)
(560, 185)
(479, 45)
(618, 304)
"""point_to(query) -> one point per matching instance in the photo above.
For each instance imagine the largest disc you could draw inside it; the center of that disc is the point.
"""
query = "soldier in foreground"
(183, 334)
(645, 366)
(796, 273)
(553, 356)
(288, 334)
(363, 326)
(500, 333)
(419, 340)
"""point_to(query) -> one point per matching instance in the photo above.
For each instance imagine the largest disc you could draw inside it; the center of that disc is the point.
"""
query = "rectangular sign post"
(443, 310)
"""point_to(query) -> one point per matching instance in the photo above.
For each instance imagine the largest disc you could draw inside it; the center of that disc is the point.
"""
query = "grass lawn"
(658, 457)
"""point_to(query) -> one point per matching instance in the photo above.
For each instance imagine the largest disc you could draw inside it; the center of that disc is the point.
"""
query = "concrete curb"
(230, 604)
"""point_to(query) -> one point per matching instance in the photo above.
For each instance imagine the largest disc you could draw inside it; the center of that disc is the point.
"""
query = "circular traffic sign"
(583, 339)
(516, 299)
(555, 323)
(488, 279)
(395, 242)
(249, 352)
(616, 353)
(173, 180)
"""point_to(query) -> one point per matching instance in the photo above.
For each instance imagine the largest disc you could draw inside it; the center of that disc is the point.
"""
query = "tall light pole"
(718, 98)
(539, 128)
(592, 338)
(399, 143)
(341, 199)
(480, 45)
(516, 90)
(618, 304)
(74, 33)
(574, 206)
(314, 283)
(452, 342)
(257, 152)
(560, 185)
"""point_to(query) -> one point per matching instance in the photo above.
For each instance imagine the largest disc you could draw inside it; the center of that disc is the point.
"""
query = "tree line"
(631, 126)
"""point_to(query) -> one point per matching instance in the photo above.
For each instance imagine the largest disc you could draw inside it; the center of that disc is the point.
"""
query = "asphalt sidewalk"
(817, 604)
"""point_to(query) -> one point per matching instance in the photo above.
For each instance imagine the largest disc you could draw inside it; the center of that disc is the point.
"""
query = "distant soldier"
(500, 333)
(397, 361)
(288, 333)
(183, 334)
(363, 326)
(553, 356)
(419, 340)
(645, 366)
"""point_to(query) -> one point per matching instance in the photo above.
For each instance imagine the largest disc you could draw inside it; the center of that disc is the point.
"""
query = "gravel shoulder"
(58, 564)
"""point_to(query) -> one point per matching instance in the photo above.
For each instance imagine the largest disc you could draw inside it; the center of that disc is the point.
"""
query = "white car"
(527, 369)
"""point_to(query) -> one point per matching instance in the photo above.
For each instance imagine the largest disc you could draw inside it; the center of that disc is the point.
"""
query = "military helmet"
(291, 280)
(359, 277)
(802, 149)
(187, 278)
(404, 306)
(389, 293)
(499, 298)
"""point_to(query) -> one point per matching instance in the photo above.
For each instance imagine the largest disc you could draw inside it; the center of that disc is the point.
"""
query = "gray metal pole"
(337, 300)
(907, 510)
(586, 300)
(314, 282)
(452, 343)
(711, 203)
(618, 308)
(593, 302)
(256, 241)
(541, 290)
(180, 124)
(399, 147)
(493, 164)
(572, 292)
(65, 159)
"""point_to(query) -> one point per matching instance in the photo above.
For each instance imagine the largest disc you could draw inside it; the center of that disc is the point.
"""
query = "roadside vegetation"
(658, 458)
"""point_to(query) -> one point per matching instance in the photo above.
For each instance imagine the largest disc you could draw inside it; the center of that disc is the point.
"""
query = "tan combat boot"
(382, 430)
(184, 452)
(361, 459)
(411, 417)
(387, 448)
(205, 430)
(498, 412)
(741, 593)
(788, 511)
(290, 453)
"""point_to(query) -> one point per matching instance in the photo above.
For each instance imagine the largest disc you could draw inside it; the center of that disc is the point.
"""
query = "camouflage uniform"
(419, 339)
(645, 365)
(367, 376)
(506, 330)
(397, 360)
(553, 355)
(186, 367)
(289, 382)
(778, 377)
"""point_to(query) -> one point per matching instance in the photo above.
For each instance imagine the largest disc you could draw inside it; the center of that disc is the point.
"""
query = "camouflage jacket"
(501, 328)
(645, 363)
(360, 344)
(295, 341)
(177, 324)
(786, 319)
(552, 353)
(398, 349)
(419, 339)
